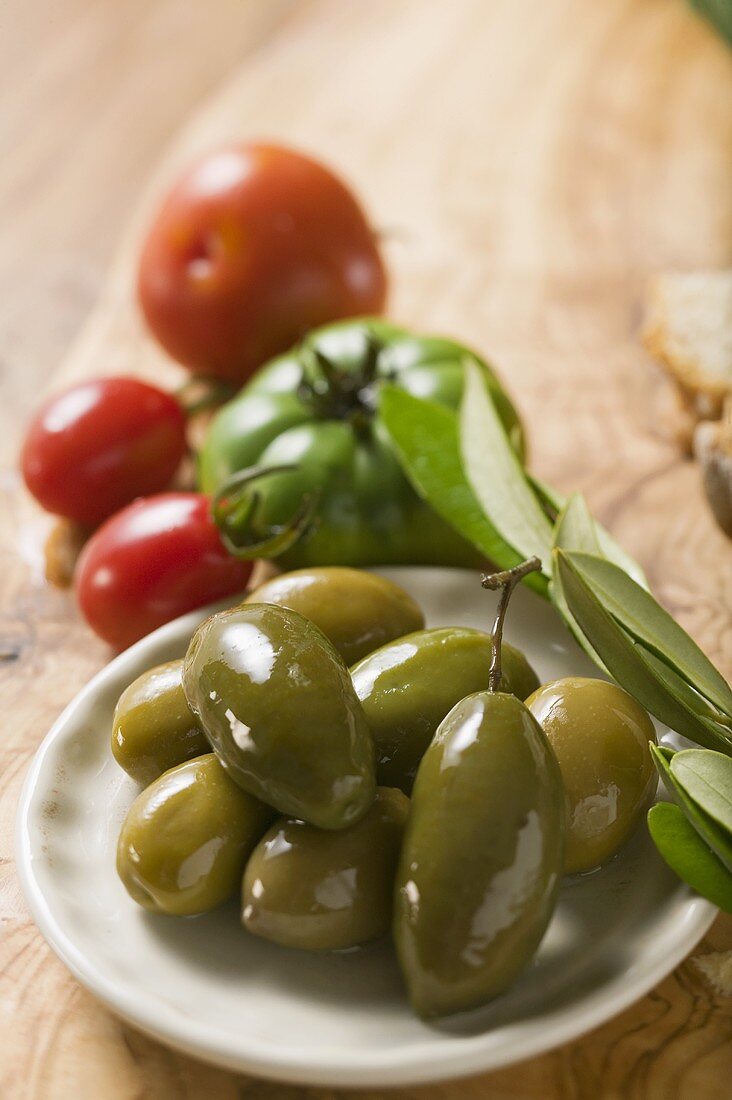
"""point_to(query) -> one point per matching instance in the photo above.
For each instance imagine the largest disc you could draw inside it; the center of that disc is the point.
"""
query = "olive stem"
(506, 580)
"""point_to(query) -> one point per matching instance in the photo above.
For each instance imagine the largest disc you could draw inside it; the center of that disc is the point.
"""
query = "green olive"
(154, 728)
(326, 891)
(279, 709)
(408, 686)
(482, 856)
(186, 839)
(357, 611)
(600, 737)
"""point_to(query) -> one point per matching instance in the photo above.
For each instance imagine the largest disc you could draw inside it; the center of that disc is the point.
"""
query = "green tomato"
(310, 472)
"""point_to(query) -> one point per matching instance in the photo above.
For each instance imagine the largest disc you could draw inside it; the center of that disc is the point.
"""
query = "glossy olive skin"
(279, 709)
(600, 737)
(482, 856)
(154, 728)
(326, 891)
(357, 611)
(186, 839)
(407, 687)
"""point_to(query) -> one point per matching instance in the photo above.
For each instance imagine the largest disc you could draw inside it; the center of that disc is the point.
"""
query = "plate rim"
(388, 1067)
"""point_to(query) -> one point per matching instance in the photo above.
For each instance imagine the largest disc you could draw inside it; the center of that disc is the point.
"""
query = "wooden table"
(530, 165)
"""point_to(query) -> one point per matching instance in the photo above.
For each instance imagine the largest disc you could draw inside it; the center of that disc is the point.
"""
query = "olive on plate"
(186, 839)
(323, 890)
(600, 736)
(357, 611)
(279, 709)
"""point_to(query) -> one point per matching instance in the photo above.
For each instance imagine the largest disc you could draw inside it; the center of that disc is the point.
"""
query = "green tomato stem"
(333, 392)
(201, 392)
(236, 505)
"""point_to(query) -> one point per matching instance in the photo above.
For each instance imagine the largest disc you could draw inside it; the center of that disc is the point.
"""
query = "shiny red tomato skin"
(255, 245)
(95, 447)
(156, 559)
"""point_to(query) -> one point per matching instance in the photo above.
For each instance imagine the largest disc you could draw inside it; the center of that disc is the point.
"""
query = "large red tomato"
(154, 560)
(100, 444)
(255, 246)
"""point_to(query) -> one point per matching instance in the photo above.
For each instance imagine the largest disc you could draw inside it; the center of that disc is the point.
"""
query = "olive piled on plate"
(601, 738)
(325, 890)
(186, 838)
(357, 611)
(302, 805)
(407, 687)
(154, 728)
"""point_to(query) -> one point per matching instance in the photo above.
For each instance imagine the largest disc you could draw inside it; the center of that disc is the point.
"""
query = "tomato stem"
(236, 507)
(201, 392)
(342, 393)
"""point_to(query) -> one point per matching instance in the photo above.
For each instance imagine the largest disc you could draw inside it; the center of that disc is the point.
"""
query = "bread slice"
(688, 328)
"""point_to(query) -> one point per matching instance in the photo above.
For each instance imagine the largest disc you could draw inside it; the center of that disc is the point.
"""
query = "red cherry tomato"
(98, 445)
(154, 560)
(255, 246)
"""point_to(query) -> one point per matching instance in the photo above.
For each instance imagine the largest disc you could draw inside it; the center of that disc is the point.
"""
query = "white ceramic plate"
(205, 986)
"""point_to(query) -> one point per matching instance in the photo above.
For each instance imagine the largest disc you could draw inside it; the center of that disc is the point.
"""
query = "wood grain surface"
(530, 165)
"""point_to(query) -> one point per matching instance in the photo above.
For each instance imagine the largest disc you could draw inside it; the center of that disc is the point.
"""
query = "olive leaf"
(425, 440)
(718, 840)
(573, 530)
(687, 694)
(554, 503)
(583, 532)
(577, 529)
(496, 475)
(650, 624)
(551, 501)
(626, 662)
(688, 856)
(707, 779)
(615, 553)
